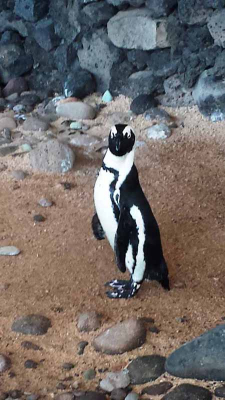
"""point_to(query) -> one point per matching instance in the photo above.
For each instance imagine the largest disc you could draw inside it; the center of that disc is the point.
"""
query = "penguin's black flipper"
(122, 238)
(98, 232)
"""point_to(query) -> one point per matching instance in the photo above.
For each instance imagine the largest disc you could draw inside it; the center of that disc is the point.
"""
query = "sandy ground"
(62, 269)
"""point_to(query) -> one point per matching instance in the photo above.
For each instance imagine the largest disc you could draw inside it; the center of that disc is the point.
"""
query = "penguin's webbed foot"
(122, 289)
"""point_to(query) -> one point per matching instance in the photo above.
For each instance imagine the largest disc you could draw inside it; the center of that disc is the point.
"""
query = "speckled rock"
(88, 321)
(115, 380)
(15, 85)
(122, 337)
(33, 324)
(146, 368)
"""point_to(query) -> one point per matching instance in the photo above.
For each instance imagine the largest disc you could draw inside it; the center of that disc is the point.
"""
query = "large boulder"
(216, 27)
(139, 30)
(31, 10)
(45, 35)
(13, 62)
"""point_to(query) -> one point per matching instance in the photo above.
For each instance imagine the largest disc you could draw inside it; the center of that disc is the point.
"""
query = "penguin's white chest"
(104, 206)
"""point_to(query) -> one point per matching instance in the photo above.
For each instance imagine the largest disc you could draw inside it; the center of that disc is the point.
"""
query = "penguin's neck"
(121, 164)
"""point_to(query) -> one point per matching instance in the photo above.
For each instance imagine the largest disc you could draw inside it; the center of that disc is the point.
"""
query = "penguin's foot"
(122, 289)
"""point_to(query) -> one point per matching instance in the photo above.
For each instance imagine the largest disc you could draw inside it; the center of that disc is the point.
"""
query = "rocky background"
(172, 49)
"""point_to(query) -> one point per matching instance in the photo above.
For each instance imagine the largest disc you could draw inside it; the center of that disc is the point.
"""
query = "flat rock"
(146, 369)
(157, 389)
(159, 131)
(157, 114)
(139, 31)
(115, 380)
(76, 110)
(52, 156)
(188, 391)
(9, 251)
(7, 122)
(33, 324)
(64, 396)
(88, 321)
(202, 358)
(142, 103)
(122, 337)
(35, 124)
(5, 363)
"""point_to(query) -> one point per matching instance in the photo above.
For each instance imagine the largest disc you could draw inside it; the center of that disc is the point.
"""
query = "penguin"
(124, 216)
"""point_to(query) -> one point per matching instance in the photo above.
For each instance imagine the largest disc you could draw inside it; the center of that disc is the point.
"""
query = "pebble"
(33, 324)
(159, 131)
(30, 364)
(76, 110)
(26, 147)
(12, 97)
(88, 321)
(76, 125)
(45, 202)
(68, 366)
(39, 218)
(7, 122)
(30, 346)
(5, 363)
(19, 175)
(32, 397)
(145, 369)
(89, 374)
(65, 396)
(35, 124)
(115, 380)
(132, 396)
(157, 114)
(61, 386)
(4, 287)
(220, 391)
(122, 337)
(9, 251)
(157, 389)
(154, 329)
(81, 346)
(107, 97)
(15, 394)
(118, 394)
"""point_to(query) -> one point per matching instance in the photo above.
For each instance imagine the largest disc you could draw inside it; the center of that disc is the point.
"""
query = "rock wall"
(131, 47)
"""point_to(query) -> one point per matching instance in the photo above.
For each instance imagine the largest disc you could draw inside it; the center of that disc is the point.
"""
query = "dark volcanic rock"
(7, 23)
(160, 8)
(158, 389)
(202, 358)
(13, 62)
(161, 63)
(45, 34)
(193, 12)
(79, 84)
(30, 346)
(66, 16)
(30, 364)
(142, 82)
(92, 396)
(15, 85)
(187, 391)
(142, 103)
(31, 10)
(65, 55)
(120, 73)
(96, 15)
(220, 391)
(33, 324)
(146, 369)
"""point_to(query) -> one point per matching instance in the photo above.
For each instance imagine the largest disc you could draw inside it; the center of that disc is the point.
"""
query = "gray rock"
(65, 17)
(89, 374)
(96, 15)
(30, 364)
(68, 366)
(159, 131)
(76, 110)
(122, 337)
(132, 396)
(30, 10)
(7, 23)
(160, 8)
(188, 391)
(32, 397)
(64, 396)
(7, 122)
(39, 218)
(33, 324)
(15, 85)
(157, 114)
(202, 358)
(142, 82)
(52, 156)
(118, 394)
(5, 151)
(88, 321)
(216, 27)
(79, 84)
(9, 251)
(157, 389)
(115, 380)
(175, 93)
(98, 56)
(81, 346)
(146, 369)
(133, 3)
(193, 12)
(30, 346)
(84, 140)
(220, 391)
(45, 202)
(139, 31)
(91, 396)
(35, 124)
(19, 175)
(142, 103)
(5, 363)
(14, 62)
(45, 35)
(209, 95)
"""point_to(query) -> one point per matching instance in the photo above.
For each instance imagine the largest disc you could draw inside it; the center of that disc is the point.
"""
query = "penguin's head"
(121, 140)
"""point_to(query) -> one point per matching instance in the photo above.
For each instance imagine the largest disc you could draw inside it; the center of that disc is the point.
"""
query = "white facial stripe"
(113, 131)
(127, 131)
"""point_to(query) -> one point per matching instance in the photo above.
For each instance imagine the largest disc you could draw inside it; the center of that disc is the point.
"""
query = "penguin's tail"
(159, 274)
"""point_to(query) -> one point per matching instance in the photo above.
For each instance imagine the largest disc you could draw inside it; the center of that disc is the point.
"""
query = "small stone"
(90, 396)
(154, 329)
(68, 366)
(220, 391)
(35, 124)
(146, 368)
(76, 125)
(89, 374)
(5, 151)
(7, 122)
(65, 396)
(39, 218)
(45, 202)
(157, 389)
(30, 346)
(115, 380)
(188, 391)
(19, 175)
(159, 131)
(15, 394)
(32, 397)
(4, 287)
(61, 386)
(132, 396)
(9, 251)
(76, 110)
(30, 364)
(88, 321)
(6, 133)
(157, 114)
(118, 394)
(5, 363)
(33, 324)
(81, 346)
(107, 97)
(142, 103)
(26, 147)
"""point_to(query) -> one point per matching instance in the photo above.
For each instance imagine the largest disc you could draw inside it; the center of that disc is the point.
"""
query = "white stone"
(115, 380)
(135, 29)
(159, 131)
(9, 251)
